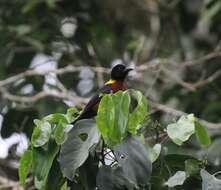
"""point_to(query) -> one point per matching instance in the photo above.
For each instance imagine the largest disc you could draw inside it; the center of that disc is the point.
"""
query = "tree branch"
(70, 68)
(202, 59)
(67, 69)
(33, 99)
(178, 113)
(82, 101)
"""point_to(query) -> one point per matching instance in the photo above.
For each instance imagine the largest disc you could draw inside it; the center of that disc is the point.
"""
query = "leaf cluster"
(110, 152)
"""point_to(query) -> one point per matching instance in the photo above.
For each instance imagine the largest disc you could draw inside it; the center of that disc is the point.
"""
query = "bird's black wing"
(90, 109)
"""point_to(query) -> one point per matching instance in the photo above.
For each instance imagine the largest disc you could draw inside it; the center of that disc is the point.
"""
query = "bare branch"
(192, 86)
(201, 60)
(33, 99)
(67, 69)
(210, 79)
(71, 69)
(178, 113)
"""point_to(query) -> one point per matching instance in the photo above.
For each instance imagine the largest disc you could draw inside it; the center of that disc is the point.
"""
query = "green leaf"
(41, 134)
(192, 167)
(42, 162)
(61, 132)
(88, 172)
(55, 179)
(208, 14)
(21, 30)
(29, 6)
(51, 3)
(154, 152)
(56, 118)
(64, 186)
(133, 158)
(177, 179)
(75, 150)
(181, 131)
(214, 153)
(210, 182)
(112, 178)
(24, 166)
(202, 134)
(176, 162)
(105, 117)
(112, 117)
(166, 167)
(139, 114)
(71, 114)
(121, 102)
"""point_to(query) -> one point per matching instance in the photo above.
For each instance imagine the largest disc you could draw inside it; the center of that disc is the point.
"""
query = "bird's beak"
(127, 70)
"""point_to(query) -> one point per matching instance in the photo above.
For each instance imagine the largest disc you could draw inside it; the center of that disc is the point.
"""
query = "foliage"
(186, 126)
(114, 118)
(89, 145)
(25, 165)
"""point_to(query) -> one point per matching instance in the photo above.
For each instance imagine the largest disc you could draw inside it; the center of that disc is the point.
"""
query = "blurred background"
(56, 53)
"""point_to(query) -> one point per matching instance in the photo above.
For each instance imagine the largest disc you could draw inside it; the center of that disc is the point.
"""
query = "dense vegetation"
(56, 53)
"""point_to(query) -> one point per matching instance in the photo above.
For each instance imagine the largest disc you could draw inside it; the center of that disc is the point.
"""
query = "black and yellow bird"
(116, 83)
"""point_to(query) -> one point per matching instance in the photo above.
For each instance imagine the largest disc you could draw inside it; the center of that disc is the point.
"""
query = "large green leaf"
(112, 117)
(55, 178)
(112, 178)
(24, 166)
(105, 117)
(202, 134)
(133, 158)
(132, 171)
(88, 172)
(181, 131)
(42, 161)
(41, 134)
(75, 150)
(214, 153)
(121, 102)
(139, 114)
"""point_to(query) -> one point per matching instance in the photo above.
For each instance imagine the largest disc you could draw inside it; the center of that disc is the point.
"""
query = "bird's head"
(119, 72)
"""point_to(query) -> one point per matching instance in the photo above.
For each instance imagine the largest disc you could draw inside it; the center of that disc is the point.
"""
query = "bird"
(117, 82)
